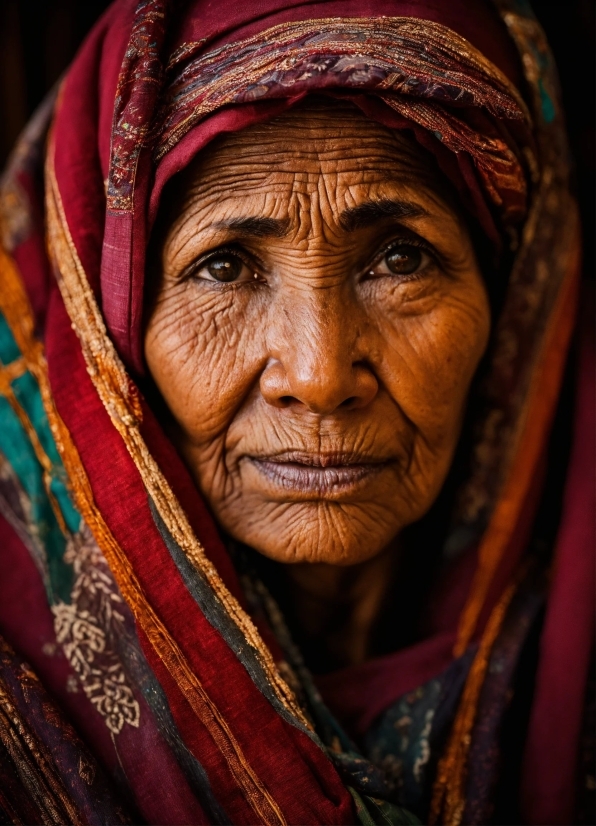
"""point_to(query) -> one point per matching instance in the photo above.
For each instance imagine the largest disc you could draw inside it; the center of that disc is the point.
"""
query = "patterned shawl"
(157, 688)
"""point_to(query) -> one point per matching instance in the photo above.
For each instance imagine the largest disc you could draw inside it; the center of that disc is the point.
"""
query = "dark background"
(38, 39)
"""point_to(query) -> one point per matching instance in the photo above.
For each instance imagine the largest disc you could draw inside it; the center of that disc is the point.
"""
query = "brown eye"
(404, 259)
(224, 268)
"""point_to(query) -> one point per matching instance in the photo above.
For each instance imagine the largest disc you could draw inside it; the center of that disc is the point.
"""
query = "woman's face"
(319, 316)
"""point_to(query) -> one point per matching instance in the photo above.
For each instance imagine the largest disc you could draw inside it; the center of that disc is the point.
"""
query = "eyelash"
(409, 241)
(406, 241)
(197, 266)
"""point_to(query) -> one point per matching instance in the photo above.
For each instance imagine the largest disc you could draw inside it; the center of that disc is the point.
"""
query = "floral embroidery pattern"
(87, 629)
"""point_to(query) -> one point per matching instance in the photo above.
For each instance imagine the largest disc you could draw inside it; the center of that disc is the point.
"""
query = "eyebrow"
(371, 212)
(364, 215)
(255, 227)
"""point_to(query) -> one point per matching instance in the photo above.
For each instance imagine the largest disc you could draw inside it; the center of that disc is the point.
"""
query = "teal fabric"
(9, 351)
(17, 449)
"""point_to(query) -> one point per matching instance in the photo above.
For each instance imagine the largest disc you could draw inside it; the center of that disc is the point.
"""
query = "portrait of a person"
(296, 424)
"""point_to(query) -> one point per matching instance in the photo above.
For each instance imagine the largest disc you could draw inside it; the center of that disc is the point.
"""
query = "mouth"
(318, 474)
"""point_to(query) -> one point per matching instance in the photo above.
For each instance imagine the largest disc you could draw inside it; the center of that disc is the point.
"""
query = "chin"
(323, 534)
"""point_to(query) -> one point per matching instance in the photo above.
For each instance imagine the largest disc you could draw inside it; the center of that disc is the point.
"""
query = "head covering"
(121, 593)
(153, 116)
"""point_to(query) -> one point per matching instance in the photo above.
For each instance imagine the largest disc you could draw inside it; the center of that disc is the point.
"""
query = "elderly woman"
(293, 529)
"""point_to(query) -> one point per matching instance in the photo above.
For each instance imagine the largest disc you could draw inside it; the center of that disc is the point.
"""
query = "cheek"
(202, 356)
(434, 342)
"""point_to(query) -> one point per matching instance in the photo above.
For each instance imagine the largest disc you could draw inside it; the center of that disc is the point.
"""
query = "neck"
(333, 610)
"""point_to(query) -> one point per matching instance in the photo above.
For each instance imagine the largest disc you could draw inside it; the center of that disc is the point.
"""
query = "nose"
(317, 360)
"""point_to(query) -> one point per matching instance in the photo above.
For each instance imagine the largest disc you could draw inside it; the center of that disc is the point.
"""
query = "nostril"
(348, 402)
(285, 401)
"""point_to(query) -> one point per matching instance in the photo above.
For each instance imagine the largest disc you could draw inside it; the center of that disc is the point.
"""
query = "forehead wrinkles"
(297, 165)
(287, 182)
(314, 137)
(244, 163)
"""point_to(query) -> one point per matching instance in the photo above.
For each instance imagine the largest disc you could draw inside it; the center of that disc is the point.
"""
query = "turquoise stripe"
(28, 394)
(17, 448)
(8, 347)
(26, 390)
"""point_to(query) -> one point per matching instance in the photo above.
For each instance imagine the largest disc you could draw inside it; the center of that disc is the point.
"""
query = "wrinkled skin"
(318, 396)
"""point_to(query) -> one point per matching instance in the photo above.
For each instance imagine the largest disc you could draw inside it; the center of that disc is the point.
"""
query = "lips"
(319, 474)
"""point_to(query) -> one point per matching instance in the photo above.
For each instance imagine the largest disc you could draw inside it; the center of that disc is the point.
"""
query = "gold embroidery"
(330, 34)
(81, 628)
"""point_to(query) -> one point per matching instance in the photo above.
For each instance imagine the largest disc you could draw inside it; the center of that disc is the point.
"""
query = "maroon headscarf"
(153, 114)
(209, 706)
